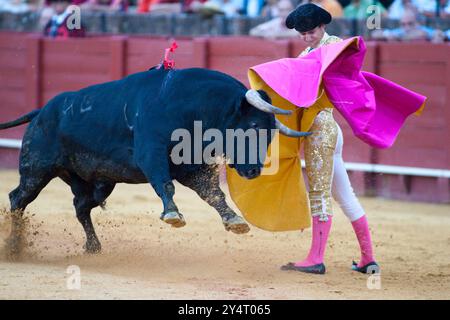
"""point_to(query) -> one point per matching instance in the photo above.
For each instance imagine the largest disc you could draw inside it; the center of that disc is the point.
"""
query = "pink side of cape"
(374, 107)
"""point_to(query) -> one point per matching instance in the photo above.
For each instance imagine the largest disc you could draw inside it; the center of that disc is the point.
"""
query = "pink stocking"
(320, 231)
(362, 232)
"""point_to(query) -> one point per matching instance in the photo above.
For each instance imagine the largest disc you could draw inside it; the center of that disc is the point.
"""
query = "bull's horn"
(289, 132)
(255, 100)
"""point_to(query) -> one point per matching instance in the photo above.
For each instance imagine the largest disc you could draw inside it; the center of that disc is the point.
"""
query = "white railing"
(400, 170)
(10, 143)
(351, 166)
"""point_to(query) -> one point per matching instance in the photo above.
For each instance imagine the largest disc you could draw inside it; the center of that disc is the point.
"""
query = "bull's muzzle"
(251, 173)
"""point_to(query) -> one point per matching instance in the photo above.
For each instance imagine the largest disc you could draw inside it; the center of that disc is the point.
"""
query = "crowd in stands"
(410, 13)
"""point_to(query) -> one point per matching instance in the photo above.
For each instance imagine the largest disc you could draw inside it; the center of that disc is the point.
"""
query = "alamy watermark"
(240, 147)
(73, 21)
(374, 19)
(374, 280)
(73, 282)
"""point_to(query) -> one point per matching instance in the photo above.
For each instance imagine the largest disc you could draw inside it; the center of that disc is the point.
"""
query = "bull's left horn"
(289, 132)
(255, 100)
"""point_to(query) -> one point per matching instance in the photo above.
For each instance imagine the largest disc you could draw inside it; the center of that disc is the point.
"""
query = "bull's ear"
(234, 112)
(241, 107)
(244, 107)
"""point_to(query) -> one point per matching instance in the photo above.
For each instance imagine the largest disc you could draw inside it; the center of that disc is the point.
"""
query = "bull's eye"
(253, 125)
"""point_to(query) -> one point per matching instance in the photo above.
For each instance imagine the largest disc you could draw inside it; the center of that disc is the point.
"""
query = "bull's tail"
(24, 119)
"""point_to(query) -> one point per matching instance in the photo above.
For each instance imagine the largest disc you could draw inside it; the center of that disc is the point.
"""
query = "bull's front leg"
(155, 167)
(206, 184)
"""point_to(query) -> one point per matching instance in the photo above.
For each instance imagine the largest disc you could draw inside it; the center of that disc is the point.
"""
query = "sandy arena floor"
(143, 258)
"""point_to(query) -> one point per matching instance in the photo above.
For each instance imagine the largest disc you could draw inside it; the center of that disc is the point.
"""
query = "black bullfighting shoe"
(175, 219)
(370, 268)
(316, 269)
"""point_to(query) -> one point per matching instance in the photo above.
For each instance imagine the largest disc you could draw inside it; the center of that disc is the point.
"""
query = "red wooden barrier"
(15, 76)
(71, 64)
(235, 55)
(296, 47)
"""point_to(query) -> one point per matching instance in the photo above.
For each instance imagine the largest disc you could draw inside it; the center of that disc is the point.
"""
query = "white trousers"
(342, 190)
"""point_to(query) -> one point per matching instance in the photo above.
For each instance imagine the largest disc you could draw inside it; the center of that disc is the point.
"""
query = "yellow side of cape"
(278, 201)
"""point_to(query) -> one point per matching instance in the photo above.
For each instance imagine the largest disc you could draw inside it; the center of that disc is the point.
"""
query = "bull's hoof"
(175, 219)
(93, 247)
(236, 225)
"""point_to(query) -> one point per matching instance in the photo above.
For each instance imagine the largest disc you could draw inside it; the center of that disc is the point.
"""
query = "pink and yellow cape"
(375, 109)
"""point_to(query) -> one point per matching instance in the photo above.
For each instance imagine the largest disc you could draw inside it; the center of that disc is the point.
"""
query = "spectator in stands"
(14, 6)
(211, 7)
(270, 9)
(398, 8)
(409, 30)
(253, 8)
(386, 3)
(230, 8)
(144, 6)
(102, 5)
(426, 8)
(429, 8)
(166, 6)
(46, 12)
(169, 6)
(36, 5)
(440, 36)
(332, 6)
(276, 28)
(357, 9)
(59, 24)
(205, 8)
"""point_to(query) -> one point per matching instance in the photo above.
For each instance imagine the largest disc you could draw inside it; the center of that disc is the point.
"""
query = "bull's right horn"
(290, 132)
(255, 100)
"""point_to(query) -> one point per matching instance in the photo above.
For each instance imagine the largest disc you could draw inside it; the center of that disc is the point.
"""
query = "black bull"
(120, 131)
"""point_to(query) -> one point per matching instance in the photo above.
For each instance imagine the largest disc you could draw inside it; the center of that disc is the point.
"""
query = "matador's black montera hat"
(307, 17)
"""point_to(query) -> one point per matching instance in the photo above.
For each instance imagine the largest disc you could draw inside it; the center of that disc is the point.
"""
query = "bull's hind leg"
(206, 184)
(86, 197)
(29, 188)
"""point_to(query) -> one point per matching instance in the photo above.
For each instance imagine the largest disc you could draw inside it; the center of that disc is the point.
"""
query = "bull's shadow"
(120, 132)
